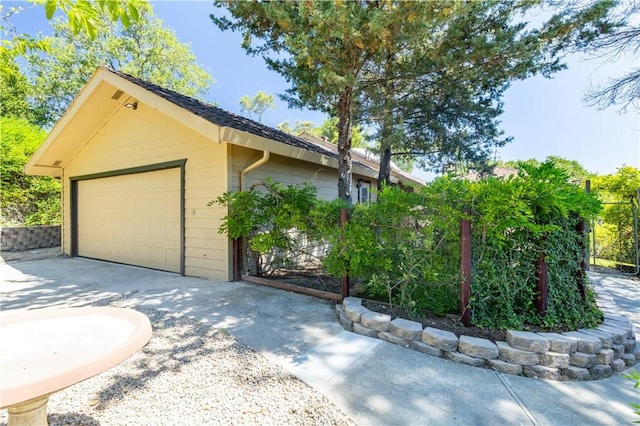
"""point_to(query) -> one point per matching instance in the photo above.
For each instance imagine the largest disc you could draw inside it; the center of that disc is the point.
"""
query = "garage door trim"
(129, 171)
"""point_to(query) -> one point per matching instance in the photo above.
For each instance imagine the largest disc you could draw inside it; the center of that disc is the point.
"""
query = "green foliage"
(298, 127)
(145, 49)
(576, 172)
(465, 62)
(271, 217)
(321, 48)
(429, 75)
(564, 251)
(614, 233)
(634, 376)
(82, 16)
(532, 198)
(26, 200)
(405, 247)
(623, 91)
(619, 186)
(328, 130)
(14, 101)
(257, 105)
(517, 219)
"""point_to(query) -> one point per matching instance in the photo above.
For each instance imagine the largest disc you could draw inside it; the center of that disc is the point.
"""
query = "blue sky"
(545, 116)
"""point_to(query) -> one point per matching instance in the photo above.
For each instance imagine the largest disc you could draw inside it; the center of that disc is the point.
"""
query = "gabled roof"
(366, 157)
(86, 113)
(498, 171)
(224, 118)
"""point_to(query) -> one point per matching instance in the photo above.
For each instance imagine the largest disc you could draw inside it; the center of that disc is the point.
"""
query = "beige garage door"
(132, 219)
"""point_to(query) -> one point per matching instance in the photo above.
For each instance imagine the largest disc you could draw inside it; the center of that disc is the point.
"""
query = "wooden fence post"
(586, 232)
(542, 275)
(237, 259)
(344, 281)
(465, 271)
(581, 230)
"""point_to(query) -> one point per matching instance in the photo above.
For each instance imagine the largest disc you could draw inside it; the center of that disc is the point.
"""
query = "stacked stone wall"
(585, 354)
(27, 238)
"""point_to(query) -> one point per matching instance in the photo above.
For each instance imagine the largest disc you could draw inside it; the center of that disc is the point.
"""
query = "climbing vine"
(518, 219)
(405, 247)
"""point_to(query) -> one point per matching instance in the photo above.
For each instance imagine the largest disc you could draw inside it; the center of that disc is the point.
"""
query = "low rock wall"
(31, 237)
(586, 354)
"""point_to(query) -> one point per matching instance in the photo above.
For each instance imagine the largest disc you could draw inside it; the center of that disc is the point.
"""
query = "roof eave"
(32, 167)
(104, 75)
(249, 140)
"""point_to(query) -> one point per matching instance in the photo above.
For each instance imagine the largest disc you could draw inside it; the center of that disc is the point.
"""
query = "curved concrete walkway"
(374, 382)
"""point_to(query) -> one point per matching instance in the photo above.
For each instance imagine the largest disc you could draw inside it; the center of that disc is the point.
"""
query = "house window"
(364, 191)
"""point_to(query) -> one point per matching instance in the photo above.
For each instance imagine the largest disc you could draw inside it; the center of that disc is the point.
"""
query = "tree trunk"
(384, 174)
(387, 128)
(344, 145)
(386, 133)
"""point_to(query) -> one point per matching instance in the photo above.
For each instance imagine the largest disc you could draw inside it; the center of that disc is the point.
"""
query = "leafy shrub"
(275, 220)
(518, 219)
(406, 246)
(615, 233)
(634, 376)
(25, 200)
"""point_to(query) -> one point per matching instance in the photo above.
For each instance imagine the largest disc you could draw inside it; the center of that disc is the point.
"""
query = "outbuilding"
(139, 164)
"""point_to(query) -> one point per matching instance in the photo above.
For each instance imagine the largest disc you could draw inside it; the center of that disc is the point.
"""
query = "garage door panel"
(173, 230)
(133, 219)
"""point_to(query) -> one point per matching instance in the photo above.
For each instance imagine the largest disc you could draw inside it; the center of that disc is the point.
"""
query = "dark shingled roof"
(224, 118)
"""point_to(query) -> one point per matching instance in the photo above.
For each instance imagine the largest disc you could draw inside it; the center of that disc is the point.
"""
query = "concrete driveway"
(374, 382)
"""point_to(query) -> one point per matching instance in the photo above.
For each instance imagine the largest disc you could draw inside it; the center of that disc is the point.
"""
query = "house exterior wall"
(141, 137)
(289, 171)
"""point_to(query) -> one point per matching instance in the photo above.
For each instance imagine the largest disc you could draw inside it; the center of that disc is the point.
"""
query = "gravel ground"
(191, 374)
(188, 374)
(35, 254)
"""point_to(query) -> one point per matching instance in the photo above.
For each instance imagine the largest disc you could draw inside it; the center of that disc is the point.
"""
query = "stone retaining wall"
(31, 237)
(586, 354)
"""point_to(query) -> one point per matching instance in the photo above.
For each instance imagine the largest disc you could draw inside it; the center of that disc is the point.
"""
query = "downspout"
(250, 167)
(240, 244)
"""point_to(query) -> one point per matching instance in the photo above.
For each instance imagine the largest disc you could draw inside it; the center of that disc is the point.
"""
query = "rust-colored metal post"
(542, 275)
(586, 232)
(237, 259)
(344, 281)
(581, 229)
(465, 271)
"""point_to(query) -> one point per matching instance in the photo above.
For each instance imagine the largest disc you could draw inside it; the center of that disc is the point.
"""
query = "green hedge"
(24, 200)
(406, 246)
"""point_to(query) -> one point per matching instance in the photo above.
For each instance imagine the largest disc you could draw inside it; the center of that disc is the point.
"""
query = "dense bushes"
(25, 200)
(615, 232)
(517, 219)
(279, 223)
(406, 248)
